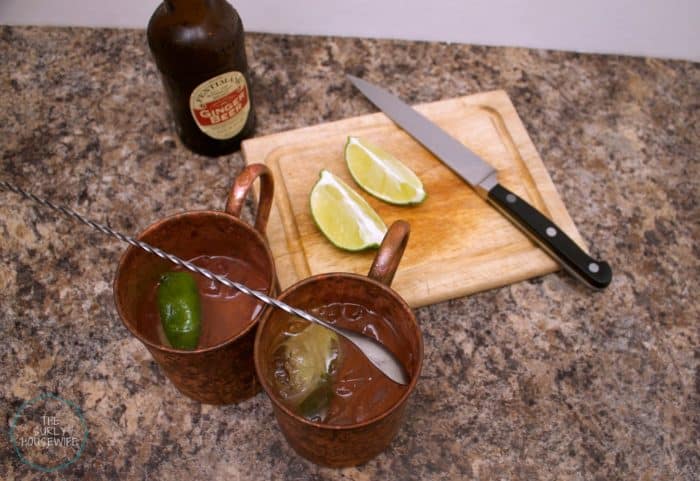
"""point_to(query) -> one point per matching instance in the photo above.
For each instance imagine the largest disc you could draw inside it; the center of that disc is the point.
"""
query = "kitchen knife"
(483, 178)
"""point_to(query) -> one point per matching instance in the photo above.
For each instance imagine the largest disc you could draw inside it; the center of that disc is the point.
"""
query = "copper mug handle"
(239, 192)
(390, 252)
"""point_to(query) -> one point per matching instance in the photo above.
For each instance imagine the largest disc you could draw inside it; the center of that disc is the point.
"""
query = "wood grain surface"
(459, 244)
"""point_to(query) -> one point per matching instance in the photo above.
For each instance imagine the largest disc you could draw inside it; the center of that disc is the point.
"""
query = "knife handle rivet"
(510, 198)
(593, 267)
(551, 231)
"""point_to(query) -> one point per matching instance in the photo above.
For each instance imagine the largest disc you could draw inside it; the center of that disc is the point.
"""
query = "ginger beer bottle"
(199, 49)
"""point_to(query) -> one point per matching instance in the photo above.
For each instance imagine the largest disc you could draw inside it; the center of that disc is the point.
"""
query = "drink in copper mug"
(220, 369)
(360, 412)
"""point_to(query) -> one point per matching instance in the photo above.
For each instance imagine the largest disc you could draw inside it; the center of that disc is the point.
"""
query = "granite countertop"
(539, 380)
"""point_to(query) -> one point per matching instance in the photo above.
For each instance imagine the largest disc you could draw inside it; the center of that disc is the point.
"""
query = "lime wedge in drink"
(344, 217)
(381, 174)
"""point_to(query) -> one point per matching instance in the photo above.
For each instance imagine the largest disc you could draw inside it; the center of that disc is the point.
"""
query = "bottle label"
(220, 105)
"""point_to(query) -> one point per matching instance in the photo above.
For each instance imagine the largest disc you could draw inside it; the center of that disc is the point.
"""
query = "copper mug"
(223, 373)
(352, 444)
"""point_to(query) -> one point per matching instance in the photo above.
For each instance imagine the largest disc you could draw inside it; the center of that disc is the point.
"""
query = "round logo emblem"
(48, 433)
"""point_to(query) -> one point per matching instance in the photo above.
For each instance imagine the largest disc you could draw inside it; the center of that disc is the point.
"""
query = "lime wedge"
(345, 218)
(381, 174)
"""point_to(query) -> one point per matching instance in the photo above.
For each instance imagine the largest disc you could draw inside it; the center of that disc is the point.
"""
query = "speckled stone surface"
(536, 381)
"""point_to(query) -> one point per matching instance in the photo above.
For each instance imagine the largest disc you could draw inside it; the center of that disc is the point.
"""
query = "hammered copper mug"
(352, 444)
(222, 373)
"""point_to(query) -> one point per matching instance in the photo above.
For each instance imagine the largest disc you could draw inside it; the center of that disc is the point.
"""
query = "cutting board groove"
(459, 244)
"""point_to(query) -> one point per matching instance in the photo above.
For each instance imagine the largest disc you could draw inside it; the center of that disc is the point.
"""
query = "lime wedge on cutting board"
(344, 217)
(381, 174)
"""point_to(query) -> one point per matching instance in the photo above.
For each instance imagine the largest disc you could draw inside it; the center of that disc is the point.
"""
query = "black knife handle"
(551, 238)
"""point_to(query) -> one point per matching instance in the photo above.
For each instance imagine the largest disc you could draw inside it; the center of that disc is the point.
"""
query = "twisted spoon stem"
(375, 352)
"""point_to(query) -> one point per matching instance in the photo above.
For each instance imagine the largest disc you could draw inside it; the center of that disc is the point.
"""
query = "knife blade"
(484, 179)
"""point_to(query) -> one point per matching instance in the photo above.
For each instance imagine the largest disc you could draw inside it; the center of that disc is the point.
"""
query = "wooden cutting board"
(459, 244)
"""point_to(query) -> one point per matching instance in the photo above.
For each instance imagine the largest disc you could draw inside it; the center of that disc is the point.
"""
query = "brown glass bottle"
(199, 50)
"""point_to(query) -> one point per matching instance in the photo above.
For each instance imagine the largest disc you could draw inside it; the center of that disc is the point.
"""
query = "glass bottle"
(198, 47)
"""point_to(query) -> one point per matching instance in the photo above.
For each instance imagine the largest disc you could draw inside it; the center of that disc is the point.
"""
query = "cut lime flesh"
(343, 216)
(381, 174)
